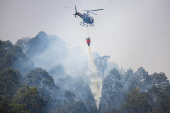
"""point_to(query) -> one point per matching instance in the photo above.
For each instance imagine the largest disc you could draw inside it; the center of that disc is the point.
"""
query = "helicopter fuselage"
(86, 18)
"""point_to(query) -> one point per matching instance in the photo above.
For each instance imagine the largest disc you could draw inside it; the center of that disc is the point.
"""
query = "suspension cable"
(87, 31)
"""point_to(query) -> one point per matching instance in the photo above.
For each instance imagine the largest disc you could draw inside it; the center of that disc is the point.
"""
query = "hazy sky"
(135, 33)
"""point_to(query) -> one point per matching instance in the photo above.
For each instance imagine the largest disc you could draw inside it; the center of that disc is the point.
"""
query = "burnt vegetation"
(36, 75)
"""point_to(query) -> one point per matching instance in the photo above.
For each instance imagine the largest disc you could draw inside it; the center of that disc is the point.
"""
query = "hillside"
(41, 74)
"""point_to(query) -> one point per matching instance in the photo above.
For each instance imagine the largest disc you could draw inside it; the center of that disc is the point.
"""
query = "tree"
(127, 79)
(27, 99)
(18, 51)
(23, 43)
(112, 96)
(142, 73)
(112, 81)
(44, 82)
(10, 59)
(100, 62)
(167, 89)
(168, 107)
(5, 46)
(69, 95)
(160, 79)
(132, 93)
(3, 104)
(10, 81)
(40, 42)
(57, 71)
(158, 98)
(12, 56)
(70, 105)
(144, 80)
(148, 82)
(40, 78)
(79, 107)
(136, 104)
(112, 111)
(115, 74)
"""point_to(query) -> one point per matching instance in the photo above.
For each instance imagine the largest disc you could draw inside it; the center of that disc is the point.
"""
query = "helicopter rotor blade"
(96, 10)
(68, 7)
(93, 13)
(88, 11)
(93, 10)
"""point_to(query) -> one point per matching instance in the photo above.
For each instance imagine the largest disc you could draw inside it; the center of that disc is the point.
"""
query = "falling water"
(95, 80)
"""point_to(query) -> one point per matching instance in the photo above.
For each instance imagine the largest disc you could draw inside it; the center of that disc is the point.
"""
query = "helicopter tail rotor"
(75, 11)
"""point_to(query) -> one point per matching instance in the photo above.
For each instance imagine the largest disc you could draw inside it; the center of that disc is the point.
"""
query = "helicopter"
(87, 19)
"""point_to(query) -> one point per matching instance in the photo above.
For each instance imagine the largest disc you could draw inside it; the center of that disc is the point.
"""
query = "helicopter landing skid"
(82, 23)
(91, 25)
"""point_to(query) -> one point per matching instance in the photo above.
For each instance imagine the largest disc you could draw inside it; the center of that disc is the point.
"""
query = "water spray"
(95, 79)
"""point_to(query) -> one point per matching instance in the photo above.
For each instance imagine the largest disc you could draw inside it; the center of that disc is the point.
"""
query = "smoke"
(57, 51)
(74, 61)
(48, 51)
(83, 74)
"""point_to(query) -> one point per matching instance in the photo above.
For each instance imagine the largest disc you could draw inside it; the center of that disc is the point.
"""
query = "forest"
(42, 75)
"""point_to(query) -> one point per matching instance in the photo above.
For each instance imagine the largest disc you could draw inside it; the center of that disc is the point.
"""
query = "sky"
(134, 33)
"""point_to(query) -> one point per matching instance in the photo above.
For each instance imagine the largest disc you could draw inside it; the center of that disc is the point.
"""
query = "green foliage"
(10, 81)
(40, 78)
(158, 99)
(167, 89)
(5, 46)
(71, 107)
(111, 91)
(160, 79)
(18, 51)
(148, 81)
(142, 73)
(80, 107)
(93, 109)
(69, 95)
(134, 84)
(23, 43)
(9, 59)
(115, 74)
(3, 104)
(18, 108)
(64, 81)
(132, 93)
(79, 87)
(40, 42)
(168, 107)
(11, 56)
(49, 82)
(136, 104)
(112, 80)
(112, 111)
(27, 99)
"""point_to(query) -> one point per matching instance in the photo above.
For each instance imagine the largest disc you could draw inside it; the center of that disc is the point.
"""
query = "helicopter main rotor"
(88, 11)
